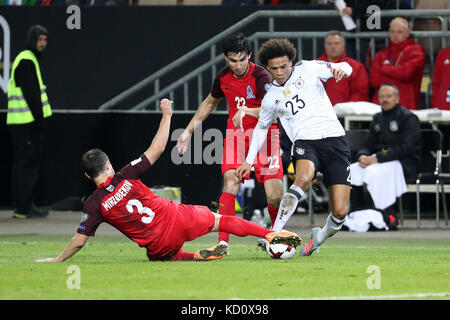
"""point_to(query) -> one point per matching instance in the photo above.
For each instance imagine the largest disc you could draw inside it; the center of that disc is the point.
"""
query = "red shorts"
(191, 223)
(268, 161)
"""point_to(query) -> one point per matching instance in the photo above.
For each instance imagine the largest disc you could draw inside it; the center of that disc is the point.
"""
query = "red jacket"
(441, 80)
(353, 88)
(402, 64)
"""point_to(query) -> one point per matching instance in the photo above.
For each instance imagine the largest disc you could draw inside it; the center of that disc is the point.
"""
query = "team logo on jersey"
(110, 188)
(84, 217)
(446, 61)
(299, 83)
(250, 94)
(393, 125)
(300, 151)
(287, 93)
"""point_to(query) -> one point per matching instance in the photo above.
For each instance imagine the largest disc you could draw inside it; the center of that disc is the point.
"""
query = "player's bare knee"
(274, 199)
(230, 183)
(340, 212)
(303, 181)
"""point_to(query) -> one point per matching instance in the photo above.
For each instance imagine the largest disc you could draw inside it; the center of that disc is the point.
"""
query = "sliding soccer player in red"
(243, 84)
(159, 225)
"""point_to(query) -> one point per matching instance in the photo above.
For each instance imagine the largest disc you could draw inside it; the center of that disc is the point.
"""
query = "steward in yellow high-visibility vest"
(19, 107)
(28, 106)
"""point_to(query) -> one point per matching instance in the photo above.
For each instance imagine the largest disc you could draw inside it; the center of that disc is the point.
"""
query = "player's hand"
(237, 119)
(166, 107)
(183, 142)
(338, 74)
(243, 170)
(47, 260)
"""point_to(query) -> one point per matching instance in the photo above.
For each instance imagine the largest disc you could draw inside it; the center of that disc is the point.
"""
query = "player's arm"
(159, 142)
(203, 111)
(326, 70)
(341, 70)
(258, 137)
(75, 245)
(242, 112)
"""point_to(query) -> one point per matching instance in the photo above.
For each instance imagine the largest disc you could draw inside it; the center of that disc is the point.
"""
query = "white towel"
(385, 181)
(359, 221)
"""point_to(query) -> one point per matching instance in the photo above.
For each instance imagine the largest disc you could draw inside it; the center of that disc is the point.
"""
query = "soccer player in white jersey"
(298, 98)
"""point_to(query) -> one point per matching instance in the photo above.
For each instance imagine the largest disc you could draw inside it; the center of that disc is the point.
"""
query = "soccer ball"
(280, 251)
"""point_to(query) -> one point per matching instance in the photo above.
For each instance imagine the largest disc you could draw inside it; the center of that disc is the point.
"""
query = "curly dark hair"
(276, 48)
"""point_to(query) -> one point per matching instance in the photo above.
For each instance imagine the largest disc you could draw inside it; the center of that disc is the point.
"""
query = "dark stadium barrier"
(124, 137)
(117, 47)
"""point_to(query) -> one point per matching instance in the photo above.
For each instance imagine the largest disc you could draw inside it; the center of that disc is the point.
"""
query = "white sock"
(287, 206)
(331, 227)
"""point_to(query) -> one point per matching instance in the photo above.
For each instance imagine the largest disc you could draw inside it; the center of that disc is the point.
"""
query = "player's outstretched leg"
(241, 228)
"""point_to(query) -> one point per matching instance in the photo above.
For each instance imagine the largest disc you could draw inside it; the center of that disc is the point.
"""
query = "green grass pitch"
(113, 267)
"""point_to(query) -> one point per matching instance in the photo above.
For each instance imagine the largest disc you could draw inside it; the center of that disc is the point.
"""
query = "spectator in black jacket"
(394, 142)
(394, 134)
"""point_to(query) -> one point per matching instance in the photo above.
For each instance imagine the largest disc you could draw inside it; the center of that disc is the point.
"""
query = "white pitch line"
(382, 297)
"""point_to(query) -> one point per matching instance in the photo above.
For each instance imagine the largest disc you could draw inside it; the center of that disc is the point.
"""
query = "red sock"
(182, 255)
(241, 227)
(226, 208)
(273, 212)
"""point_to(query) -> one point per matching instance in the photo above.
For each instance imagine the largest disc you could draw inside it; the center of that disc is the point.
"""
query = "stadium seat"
(356, 139)
(444, 178)
(429, 170)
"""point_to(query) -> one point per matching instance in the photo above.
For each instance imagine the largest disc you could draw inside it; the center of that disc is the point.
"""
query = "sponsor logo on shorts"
(300, 151)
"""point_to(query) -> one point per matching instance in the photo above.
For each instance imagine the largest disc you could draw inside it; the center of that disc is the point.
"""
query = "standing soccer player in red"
(243, 84)
(159, 225)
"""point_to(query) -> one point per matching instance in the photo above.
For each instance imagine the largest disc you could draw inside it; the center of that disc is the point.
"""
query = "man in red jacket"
(401, 63)
(353, 88)
(441, 80)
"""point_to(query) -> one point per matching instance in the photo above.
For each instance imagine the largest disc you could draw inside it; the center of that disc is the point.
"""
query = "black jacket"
(395, 135)
(26, 77)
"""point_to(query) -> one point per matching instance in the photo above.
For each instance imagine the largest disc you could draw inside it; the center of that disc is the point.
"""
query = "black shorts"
(331, 156)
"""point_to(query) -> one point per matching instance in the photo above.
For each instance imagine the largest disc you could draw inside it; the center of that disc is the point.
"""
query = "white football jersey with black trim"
(302, 104)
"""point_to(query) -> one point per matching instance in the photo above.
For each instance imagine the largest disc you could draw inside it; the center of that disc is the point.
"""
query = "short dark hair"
(276, 48)
(392, 85)
(334, 33)
(236, 43)
(93, 162)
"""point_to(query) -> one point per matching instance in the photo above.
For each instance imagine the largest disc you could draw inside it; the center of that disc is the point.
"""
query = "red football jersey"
(247, 91)
(130, 206)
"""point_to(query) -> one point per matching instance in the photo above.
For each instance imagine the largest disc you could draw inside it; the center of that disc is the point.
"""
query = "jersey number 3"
(148, 213)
